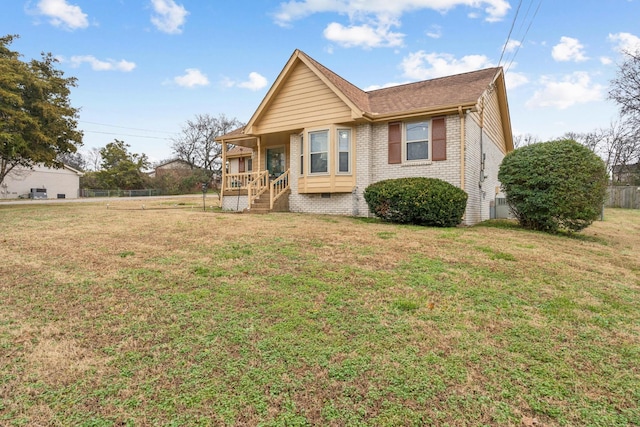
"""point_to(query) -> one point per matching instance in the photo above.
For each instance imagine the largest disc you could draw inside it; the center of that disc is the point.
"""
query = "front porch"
(256, 192)
(259, 182)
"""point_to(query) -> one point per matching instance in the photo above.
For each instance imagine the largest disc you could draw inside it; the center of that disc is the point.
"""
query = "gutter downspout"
(462, 146)
(482, 153)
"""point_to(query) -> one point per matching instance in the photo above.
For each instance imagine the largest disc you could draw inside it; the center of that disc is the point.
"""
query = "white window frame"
(406, 142)
(349, 151)
(311, 153)
(302, 150)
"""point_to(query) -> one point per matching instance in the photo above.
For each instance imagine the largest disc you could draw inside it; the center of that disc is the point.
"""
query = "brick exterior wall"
(334, 204)
(372, 165)
(481, 190)
(235, 203)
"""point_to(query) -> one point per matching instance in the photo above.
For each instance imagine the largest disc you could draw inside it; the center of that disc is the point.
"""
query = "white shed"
(63, 183)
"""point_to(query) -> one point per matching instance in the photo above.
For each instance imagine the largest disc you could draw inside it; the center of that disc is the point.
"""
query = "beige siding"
(493, 120)
(326, 184)
(304, 100)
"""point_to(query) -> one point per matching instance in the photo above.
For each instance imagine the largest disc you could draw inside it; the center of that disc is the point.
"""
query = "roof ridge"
(433, 79)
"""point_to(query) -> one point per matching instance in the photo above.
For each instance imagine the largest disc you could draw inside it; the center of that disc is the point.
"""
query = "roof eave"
(434, 111)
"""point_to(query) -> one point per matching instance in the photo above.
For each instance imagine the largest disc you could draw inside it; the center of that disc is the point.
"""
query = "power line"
(124, 127)
(124, 134)
(525, 35)
(513, 23)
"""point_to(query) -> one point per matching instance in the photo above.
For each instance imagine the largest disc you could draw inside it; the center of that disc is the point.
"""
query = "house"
(318, 141)
(239, 160)
(626, 174)
(177, 168)
(46, 182)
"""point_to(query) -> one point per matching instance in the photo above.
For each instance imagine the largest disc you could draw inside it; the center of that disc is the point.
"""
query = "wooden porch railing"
(278, 187)
(234, 181)
(257, 186)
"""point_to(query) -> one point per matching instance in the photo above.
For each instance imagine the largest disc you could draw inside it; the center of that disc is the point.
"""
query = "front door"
(275, 161)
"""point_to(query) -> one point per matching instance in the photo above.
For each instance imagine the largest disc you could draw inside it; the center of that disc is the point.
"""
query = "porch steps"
(261, 205)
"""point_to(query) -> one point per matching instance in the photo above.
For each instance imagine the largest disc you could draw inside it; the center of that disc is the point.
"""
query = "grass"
(175, 316)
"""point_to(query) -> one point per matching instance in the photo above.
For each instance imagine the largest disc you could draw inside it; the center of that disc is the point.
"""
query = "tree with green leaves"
(122, 169)
(555, 185)
(37, 121)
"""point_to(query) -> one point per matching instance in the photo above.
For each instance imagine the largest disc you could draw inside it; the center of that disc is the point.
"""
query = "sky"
(145, 67)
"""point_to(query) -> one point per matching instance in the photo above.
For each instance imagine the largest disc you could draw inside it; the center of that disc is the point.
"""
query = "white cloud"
(370, 21)
(98, 65)
(255, 82)
(605, 60)
(63, 14)
(569, 49)
(511, 45)
(192, 78)
(513, 79)
(363, 36)
(572, 89)
(169, 16)
(435, 32)
(297, 9)
(421, 65)
(386, 85)
(625, 42)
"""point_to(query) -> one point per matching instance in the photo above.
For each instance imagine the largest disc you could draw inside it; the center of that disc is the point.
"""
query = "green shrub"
(552, 186)
(424, 201)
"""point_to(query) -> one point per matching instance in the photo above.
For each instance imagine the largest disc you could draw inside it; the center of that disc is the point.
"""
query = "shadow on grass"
(512, 224)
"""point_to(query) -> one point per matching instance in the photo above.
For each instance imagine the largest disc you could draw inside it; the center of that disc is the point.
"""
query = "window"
(301, 154)
(249, 164)
(344, 151)
(417, 140)
(319, 151)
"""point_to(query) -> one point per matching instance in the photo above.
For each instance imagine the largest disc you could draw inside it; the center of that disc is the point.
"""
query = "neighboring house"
(318, 141)
(626, 174)
(175, 167)
(239, 160)
(62, 183)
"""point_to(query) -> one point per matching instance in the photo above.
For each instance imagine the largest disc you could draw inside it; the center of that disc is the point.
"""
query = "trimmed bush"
(552, 186)
(423, 201)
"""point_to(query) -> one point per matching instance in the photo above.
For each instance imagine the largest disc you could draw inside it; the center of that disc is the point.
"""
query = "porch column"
(259, 156)
(224, 171)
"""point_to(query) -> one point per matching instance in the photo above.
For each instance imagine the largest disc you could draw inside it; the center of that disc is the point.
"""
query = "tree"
(37, 121)
(522, 139)
(554, 185)
(618, 145)
(197, 146)
(75, 160)
(93, 159)
(625, 88)
(121, 169)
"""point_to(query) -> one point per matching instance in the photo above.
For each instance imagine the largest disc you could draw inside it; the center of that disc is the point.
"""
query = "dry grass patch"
(171, 315)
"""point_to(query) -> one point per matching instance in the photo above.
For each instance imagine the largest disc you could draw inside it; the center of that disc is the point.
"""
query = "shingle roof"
(457, 89)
